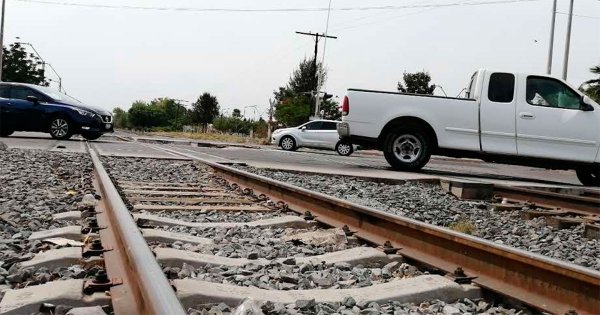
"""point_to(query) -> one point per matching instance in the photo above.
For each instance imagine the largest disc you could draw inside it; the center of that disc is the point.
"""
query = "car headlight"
(84, 112)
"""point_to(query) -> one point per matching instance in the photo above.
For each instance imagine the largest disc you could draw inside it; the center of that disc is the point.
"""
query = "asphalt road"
(359, 164)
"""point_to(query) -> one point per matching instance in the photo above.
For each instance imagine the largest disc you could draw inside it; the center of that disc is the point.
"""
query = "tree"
(416, 83)
(295, 103)
(139, 115)
(592, 87)
(19, 66)
(205, 110)
(293, 111)
(236, 113)
(164, 113)
(172, 114)
(120, 118)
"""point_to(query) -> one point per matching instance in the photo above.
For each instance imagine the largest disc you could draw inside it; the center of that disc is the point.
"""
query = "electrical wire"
(274, 10)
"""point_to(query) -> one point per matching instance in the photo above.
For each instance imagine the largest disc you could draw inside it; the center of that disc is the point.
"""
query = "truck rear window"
(502, 87)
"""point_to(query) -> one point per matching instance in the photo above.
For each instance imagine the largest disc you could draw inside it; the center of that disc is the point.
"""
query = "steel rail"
(154, 292)
(543, 283)
(588, 205)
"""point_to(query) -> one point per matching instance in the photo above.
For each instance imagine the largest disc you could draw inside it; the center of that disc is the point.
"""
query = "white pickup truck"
(513, 118)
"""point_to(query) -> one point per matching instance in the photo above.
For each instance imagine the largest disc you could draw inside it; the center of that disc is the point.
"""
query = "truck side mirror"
(586, 104)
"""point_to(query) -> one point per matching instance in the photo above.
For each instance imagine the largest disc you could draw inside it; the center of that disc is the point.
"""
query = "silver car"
(318, 134)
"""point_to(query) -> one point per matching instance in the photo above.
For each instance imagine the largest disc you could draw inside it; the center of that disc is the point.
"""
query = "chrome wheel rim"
(407, 148)
(59, 127)
(344, 149)
(287, 143)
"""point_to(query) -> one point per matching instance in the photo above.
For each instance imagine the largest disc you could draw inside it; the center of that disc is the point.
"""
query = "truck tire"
(589, 176)
(407, 149)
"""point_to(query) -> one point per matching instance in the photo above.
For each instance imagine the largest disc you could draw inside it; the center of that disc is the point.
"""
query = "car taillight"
(345, 106)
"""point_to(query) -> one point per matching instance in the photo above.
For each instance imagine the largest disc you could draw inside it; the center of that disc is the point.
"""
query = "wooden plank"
(532, 214)
(173, 184)
(171, 193)
(564, 223)
(192, 201)
(504, 206)
(252, 208)
(161, 188)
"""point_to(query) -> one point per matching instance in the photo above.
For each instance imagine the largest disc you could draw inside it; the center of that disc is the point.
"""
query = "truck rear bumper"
(343, 130)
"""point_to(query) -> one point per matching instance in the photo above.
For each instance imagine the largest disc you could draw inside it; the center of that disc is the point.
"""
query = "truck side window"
(549, 92)
(501, 88)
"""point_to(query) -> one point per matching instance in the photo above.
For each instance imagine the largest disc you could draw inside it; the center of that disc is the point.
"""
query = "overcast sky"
(112, 56)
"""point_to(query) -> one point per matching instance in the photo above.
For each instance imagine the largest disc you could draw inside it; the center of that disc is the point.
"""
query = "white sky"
(111, 57)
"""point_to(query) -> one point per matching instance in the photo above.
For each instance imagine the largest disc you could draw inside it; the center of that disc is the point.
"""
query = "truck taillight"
(345, 106)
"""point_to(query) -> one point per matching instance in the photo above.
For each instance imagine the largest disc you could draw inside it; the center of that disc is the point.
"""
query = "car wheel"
(91, 135)
(288, 143)
(589, 176)
(6, 133)
(60, 128)
(407, 149)
(344, 148)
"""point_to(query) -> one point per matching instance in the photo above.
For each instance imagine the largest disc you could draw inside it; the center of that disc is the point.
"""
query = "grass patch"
(463, 226)
(217, 137)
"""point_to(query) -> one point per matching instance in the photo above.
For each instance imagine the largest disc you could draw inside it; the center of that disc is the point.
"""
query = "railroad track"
(138, 250)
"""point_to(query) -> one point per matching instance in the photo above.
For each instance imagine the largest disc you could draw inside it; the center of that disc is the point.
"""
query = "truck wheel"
(60, 128)
(344, 148)
(589, 176)
(288, 143)
(407, 149)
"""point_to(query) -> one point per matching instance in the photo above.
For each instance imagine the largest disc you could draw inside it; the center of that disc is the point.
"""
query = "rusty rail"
(145, 289)
(583, 204)
(543, 283)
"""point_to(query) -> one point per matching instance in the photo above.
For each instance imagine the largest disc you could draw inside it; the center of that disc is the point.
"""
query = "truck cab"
(510, 117)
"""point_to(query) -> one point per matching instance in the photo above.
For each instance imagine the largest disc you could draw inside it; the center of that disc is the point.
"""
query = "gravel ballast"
(430, 204)
(351, 306)
(34, 185)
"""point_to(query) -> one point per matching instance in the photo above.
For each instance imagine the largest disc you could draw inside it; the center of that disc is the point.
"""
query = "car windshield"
(57, 96)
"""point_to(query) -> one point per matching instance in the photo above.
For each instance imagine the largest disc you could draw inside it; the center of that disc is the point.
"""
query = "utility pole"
(2, 37)
(568, 41)
(317, 92)
(551, 43)
(269, 127)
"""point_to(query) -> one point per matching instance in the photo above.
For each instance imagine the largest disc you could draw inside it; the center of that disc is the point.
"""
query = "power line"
(275, 10)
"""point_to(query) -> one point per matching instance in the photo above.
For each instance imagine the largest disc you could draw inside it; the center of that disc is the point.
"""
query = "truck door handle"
(527, 115)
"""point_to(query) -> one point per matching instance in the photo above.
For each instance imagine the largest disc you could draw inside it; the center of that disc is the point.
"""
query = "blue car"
(28, 107)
